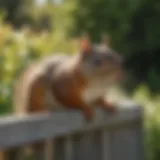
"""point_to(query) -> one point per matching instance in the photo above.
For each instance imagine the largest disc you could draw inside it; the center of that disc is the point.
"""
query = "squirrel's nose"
(115, 58)
(119, 60)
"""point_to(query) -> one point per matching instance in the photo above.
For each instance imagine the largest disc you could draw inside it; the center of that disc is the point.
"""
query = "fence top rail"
(19, 130)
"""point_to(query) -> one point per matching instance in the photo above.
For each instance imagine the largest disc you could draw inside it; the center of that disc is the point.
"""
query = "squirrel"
(71, 82)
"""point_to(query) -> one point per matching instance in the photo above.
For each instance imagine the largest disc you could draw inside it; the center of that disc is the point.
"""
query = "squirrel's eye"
(97, 61)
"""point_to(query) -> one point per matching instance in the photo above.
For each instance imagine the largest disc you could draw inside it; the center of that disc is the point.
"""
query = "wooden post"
(39, 151)
(14, 154)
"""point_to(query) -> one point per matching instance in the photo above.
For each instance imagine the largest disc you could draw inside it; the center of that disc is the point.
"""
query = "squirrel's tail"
(22, 90)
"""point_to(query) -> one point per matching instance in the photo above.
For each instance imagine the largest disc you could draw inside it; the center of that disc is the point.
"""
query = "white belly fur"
(93, 91)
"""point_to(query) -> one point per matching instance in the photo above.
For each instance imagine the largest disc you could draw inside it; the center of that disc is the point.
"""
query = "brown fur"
(64, 82)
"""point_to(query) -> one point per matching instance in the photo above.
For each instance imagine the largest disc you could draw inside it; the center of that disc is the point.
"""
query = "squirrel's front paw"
(110, 107)
(89, 113)
(102, 102)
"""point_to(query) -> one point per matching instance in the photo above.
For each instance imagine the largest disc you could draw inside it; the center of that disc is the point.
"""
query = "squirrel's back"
(38, 73)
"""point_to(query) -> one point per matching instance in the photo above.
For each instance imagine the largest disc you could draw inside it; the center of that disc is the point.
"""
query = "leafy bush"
(151, 104)
(19, 48)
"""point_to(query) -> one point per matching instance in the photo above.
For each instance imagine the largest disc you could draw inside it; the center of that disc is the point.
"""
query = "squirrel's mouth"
(115, 74)
(119, 76)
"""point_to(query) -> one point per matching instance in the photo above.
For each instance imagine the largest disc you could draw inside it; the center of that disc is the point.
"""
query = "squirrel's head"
(100, 62)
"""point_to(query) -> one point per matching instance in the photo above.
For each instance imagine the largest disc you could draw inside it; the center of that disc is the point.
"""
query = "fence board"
(124, 144)
(68, 146)
(106, 138)
(87, 146)
(32, 128)
(67, 135)
(63, 148)
(140, 134)
(59, 148)
(39, 152)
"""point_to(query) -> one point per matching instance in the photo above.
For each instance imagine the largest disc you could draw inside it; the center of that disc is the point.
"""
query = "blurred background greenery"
(30, 29)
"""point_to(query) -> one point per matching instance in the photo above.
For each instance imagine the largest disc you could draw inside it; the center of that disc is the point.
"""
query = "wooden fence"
(107, 137)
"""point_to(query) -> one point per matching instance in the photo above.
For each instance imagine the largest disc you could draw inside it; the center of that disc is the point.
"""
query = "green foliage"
(18, 49)
(18, 11)
(135, 23)
(151, 106)
(153, 79)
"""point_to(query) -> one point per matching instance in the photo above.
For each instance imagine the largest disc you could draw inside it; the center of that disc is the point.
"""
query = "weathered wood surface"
(17, 131)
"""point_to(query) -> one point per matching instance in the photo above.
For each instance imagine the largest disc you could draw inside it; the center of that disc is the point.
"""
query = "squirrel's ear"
(85, 44)
(105, 40)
